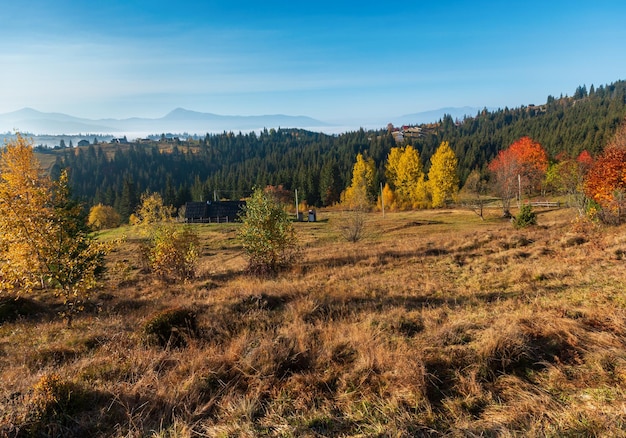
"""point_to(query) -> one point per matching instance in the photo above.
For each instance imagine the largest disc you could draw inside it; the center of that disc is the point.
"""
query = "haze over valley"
(182, 121)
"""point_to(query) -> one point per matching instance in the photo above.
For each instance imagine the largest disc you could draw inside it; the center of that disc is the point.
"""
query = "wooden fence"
(546, 204)
(209, 220)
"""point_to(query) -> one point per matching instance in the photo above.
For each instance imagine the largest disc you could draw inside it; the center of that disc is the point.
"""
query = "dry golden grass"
(436, 324)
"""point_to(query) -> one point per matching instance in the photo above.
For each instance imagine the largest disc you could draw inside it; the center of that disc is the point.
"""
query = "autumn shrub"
(170, 327)
(267, 235)
(51, 406)
(103, 217)
(172, 252)
(353, 225)
(526, 217)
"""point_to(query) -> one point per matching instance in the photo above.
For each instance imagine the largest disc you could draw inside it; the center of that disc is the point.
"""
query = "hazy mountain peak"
(179, 120)
(182, 113)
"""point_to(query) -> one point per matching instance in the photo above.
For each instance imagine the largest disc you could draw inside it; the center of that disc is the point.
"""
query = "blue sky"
(338, 61)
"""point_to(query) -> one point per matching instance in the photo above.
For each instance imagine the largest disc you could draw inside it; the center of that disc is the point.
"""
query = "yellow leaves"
(393, 162)
(103, 216)
(172, 253)
(359, 194)
(43, 240)
(442, 176)
(388, 198)
(152, 210)
(267, 235)
(404, 172)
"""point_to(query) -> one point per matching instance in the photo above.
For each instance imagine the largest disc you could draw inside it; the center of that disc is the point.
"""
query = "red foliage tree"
(532, 160)
(585, 160)
(606, 183)
(520, 166)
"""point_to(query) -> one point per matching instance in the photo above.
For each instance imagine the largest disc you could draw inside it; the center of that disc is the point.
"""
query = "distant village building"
(122, 140)
(83, 143)
(398, 136)
(210, 212)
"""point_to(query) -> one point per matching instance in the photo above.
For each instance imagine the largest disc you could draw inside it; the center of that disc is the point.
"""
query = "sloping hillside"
(436, 324)
(231, 164)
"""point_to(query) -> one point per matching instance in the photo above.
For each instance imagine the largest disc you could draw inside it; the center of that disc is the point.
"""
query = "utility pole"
(519, 191)
(297, 205)
(382, 199)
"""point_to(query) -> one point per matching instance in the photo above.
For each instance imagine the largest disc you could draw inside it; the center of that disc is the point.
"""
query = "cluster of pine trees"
(320, 166)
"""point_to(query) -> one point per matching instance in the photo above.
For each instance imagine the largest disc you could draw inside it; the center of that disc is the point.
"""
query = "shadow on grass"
(13, 308)
(383, 258)
(416, 223)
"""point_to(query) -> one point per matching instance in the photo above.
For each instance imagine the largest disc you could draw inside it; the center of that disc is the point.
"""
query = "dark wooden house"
(208, 212)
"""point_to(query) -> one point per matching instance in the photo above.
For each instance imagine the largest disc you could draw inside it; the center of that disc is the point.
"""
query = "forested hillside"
(228, 165)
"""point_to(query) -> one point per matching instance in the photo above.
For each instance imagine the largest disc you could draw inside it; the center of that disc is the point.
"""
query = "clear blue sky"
(332, 60)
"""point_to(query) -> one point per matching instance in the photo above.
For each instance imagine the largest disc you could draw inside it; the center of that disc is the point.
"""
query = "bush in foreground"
(525, 218)
(267, 235)
(172, 253)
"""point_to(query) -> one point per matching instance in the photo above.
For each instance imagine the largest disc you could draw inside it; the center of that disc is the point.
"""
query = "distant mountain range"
(177, 121)
(181, 120)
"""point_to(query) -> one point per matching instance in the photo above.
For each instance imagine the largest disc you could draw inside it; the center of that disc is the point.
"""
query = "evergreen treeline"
(229, 165)
(224, 165)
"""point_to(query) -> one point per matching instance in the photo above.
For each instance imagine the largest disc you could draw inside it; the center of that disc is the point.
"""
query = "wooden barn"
(209, 212)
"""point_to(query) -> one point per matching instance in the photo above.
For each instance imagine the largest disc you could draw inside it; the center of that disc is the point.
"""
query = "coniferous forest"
(229, 165)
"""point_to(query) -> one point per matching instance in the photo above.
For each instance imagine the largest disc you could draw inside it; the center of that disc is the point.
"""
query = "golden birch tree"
(44, 240)
(442, 176)
(404, 171)
(360, 193)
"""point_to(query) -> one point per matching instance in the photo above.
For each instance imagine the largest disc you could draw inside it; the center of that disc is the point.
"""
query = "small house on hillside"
(207, 212)
(83, 143)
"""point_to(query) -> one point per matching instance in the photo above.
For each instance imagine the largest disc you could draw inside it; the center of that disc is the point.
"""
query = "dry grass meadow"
(435, 324)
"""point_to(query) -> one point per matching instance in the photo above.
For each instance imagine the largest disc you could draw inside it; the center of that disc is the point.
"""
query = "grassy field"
(435, 324)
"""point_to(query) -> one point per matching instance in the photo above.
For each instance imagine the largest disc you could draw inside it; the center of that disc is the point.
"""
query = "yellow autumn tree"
(103, 216)
(404, 171)
(443, 179)
(391, 167)
(24, 223)
(152, 210)
(360, 193)
(388, 197)
(44, 240)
